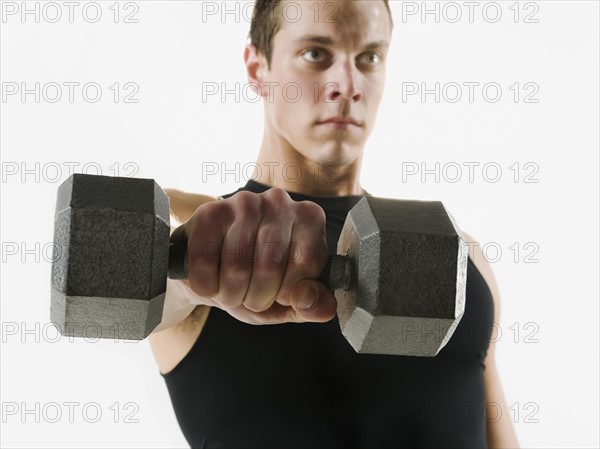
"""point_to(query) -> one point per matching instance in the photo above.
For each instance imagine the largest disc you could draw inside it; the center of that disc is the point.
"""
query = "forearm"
(177, 306)
(178, 296)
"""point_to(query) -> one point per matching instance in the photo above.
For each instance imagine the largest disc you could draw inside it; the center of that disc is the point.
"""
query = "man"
(298, 383)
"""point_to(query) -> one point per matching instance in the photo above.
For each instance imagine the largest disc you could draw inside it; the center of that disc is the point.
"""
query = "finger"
(204, 248)
(324, 311)
(313, 301)
(270, 264)
(237, 259)
(276, 314)
(308, 247)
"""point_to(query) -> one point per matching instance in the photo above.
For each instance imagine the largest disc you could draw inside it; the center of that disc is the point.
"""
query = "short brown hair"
(265, 25)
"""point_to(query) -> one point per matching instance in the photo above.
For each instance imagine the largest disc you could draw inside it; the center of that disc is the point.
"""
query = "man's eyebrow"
(318, 39)
(326, 40)
(377, 44)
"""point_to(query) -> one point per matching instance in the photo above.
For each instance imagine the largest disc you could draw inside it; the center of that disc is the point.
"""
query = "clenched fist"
(257, 256)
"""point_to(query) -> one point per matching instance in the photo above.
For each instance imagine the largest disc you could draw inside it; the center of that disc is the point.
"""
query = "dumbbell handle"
(336, 274)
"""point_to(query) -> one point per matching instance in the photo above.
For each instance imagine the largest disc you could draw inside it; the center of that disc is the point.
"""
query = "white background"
(170, 132)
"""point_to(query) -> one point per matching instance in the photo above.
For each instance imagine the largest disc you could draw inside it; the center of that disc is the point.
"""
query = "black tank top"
(301, 385)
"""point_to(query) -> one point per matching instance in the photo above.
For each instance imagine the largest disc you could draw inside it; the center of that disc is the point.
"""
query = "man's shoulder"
(184, 204)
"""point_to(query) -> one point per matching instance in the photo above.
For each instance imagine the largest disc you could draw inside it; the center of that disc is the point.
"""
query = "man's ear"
(256, 65)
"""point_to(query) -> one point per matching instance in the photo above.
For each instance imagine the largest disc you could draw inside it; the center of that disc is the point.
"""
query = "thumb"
(313, 301)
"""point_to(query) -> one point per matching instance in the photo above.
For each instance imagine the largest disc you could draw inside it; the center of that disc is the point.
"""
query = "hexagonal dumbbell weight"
(109, 270)
(399, 275)
(408, 261)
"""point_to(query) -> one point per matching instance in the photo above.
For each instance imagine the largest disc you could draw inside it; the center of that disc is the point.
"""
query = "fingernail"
(308, 298)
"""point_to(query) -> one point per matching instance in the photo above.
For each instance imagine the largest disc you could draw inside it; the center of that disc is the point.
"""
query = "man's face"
(339, 72)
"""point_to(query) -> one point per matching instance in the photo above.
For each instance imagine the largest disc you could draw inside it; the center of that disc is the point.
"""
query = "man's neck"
(280, 165)
(307, 178)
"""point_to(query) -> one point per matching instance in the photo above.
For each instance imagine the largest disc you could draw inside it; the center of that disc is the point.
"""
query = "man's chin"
(333, 153)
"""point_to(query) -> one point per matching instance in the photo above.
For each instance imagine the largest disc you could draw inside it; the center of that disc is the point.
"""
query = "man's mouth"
(340, 123)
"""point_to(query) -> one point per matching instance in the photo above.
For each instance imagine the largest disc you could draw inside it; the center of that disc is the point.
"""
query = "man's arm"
(182, 320)
(177, 304)
(500, 432)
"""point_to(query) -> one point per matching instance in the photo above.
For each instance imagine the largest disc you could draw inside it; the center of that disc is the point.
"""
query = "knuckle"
(236, 273)
(278, 195)
(276, 204)
(305, 262)
(266, 269)
(238, 250)
(202, 255)
(310, 212)
(310, 258)
(268, 259)
(271, 249)
(209, 208)
(245, 203)
(206, 217)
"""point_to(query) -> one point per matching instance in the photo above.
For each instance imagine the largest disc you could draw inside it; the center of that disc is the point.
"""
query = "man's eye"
(314, 51)
(371, 58)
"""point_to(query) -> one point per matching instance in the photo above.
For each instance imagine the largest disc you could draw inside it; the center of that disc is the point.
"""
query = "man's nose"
(343, 84)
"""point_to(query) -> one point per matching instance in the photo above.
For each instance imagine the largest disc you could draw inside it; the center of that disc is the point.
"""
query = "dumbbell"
(399, 275)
